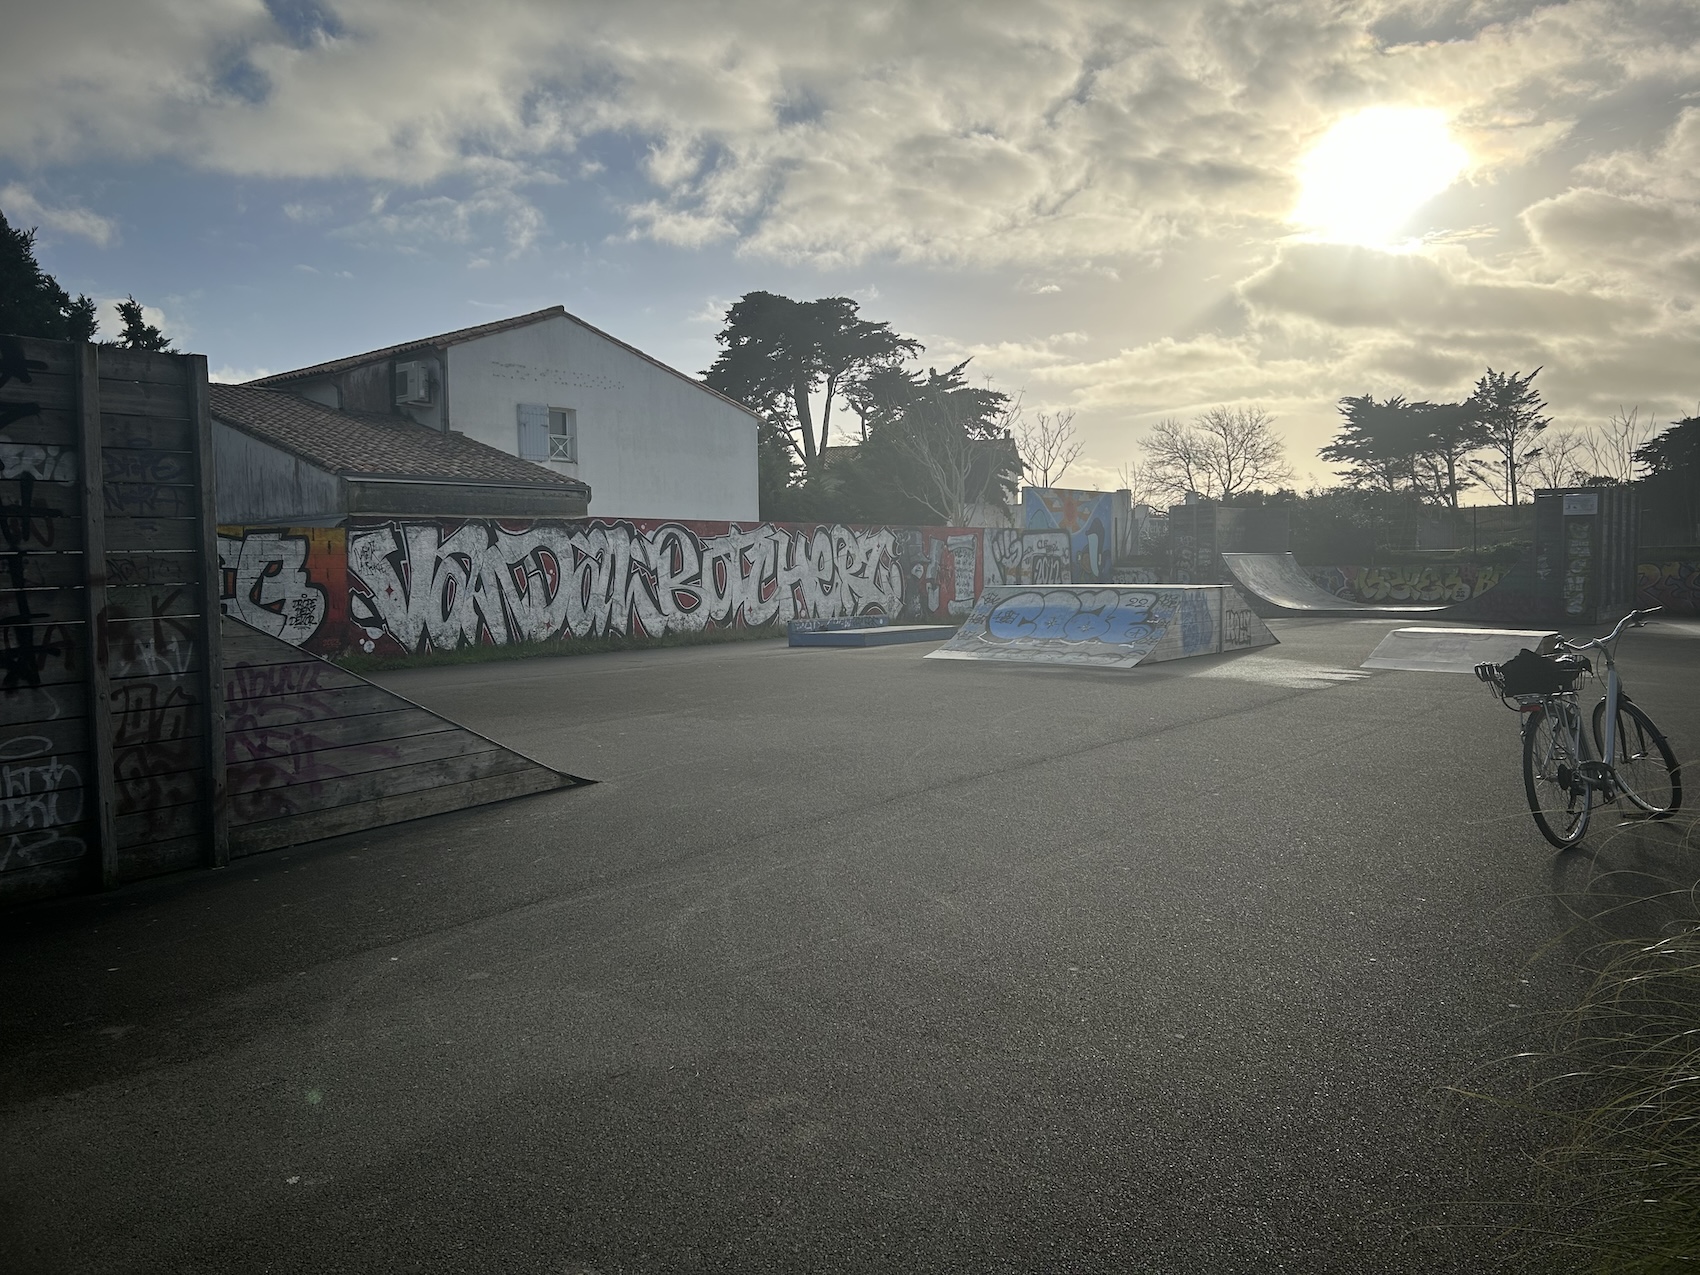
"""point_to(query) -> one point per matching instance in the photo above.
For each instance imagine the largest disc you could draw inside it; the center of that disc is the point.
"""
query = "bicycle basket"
(1529, 674)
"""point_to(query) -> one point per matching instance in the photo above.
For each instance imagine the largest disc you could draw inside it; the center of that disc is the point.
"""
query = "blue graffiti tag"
(1099, 617)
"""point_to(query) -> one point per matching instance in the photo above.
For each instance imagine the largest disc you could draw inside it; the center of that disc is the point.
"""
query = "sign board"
(1585, 504)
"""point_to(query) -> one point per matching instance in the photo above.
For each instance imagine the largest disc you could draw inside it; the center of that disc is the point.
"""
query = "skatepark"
(850, 959)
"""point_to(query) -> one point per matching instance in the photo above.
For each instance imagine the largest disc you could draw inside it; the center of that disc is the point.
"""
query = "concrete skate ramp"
(1456, 650)
(314, 751)
(1277, 585)
(1105, 626)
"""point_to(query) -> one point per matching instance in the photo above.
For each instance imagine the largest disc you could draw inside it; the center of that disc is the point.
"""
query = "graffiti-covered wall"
(1454, 582)
(1670, 583)
(399, 586)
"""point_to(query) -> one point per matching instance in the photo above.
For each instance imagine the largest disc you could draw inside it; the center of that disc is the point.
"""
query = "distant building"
(554, 392)
(284, 460)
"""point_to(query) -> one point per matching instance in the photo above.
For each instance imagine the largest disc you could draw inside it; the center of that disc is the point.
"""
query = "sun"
(1367, 176)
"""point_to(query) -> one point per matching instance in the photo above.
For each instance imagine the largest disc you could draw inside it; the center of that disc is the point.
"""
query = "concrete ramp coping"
(1456, 650)
(1105, 626)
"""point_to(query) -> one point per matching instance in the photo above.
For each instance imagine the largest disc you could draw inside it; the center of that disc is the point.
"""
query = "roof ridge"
(276, 379)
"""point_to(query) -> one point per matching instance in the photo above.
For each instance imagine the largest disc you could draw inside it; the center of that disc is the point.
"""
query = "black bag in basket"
(1529, 674)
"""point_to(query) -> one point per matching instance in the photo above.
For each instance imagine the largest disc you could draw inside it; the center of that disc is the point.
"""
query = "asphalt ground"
(851, 961)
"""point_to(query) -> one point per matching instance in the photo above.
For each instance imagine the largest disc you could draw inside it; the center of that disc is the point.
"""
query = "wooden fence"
(111, 734)
(115, 759)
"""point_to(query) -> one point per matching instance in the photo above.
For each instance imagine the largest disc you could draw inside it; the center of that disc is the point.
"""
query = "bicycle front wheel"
(1647, 771)
(1559, 795)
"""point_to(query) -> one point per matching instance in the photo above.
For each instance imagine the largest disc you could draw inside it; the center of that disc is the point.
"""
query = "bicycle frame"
(1607, 647)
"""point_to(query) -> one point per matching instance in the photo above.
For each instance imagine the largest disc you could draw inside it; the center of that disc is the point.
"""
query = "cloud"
(24, 209)
(813, 132)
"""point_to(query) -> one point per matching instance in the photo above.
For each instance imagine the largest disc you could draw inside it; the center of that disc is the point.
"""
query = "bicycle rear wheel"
(1647, 771)
(1559, 797)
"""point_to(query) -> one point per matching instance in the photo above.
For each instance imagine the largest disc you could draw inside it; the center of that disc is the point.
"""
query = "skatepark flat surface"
(852, 961)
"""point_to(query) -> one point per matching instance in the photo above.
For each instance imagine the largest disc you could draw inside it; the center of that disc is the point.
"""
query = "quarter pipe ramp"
(1277, 585)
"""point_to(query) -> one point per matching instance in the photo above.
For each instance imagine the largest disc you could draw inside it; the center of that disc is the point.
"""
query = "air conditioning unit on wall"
(413, 384)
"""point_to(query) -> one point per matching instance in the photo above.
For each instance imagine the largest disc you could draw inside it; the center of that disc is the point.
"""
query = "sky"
(1126, 209)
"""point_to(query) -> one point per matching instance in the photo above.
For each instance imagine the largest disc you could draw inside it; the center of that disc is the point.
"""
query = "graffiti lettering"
(42, 461)
(421, 587)
(40, 795)
(265, 584)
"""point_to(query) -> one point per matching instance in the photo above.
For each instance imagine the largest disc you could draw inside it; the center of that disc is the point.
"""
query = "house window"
(563, 434)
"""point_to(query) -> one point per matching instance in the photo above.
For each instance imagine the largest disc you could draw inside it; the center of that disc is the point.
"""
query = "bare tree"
(1558, 462)
(1611, 448)
(953, 466)
(1047, 444)
(1224, 452)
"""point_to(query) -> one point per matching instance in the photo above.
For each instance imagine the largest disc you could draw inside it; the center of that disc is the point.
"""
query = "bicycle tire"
(1647, 771)
(1559, 797)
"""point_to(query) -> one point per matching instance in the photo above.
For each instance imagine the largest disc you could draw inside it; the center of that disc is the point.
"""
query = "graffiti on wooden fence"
(1674, 585)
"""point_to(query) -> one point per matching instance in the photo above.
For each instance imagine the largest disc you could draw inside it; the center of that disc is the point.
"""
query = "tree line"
(33, 304)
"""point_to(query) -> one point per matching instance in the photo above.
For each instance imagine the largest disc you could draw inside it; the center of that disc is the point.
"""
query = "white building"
(650, 441)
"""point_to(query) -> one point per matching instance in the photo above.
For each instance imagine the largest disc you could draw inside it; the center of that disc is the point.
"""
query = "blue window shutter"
(533, 431)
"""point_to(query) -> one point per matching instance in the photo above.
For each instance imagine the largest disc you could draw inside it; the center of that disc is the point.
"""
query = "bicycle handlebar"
(1602, 643)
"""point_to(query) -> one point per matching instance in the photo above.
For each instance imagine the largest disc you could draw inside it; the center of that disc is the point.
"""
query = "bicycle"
(1560, 777)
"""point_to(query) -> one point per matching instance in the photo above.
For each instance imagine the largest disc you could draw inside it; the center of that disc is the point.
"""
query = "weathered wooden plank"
(309, 706)
(161, 823)
(44, 391)
(151, 601)
(315, 763)
(154, 647)
(212, 621)
(274, 834)
(24, 705)
(55, 568)
(148, 710)
(57, 391)
(154, 858)
(157, 792)
(161, 757)
(40, 848)
(173, 433)
(246, 645)
(43, 441)
(98, 692)
(49, 881)
(47, 655)
(243, 680)
(249, 805)
(152, 500)
(38, 606)
(402, 725)
(39, 515)
(59, 358)
(125, 534)
(57, 428)
(59, 737)
(139, 465)
(150, 568)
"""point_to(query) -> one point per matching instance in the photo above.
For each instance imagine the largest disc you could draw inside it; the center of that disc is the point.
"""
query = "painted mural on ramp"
(1105, 626)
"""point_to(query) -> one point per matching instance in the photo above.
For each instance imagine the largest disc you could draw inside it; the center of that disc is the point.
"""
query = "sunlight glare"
(1372, 171)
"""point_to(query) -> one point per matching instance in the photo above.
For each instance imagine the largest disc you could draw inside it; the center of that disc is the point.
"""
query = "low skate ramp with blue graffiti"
(1278, 585)
(1106, 626)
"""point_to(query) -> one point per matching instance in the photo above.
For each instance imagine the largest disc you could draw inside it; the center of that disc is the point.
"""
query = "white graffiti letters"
(483, 583)
(271, 590)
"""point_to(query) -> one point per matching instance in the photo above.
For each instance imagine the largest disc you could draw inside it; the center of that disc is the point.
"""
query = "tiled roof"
(281, 380)
(364, 444)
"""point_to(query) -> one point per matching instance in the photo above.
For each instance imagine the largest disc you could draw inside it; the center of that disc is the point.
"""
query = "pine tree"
(31, 301)
(138, 333)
